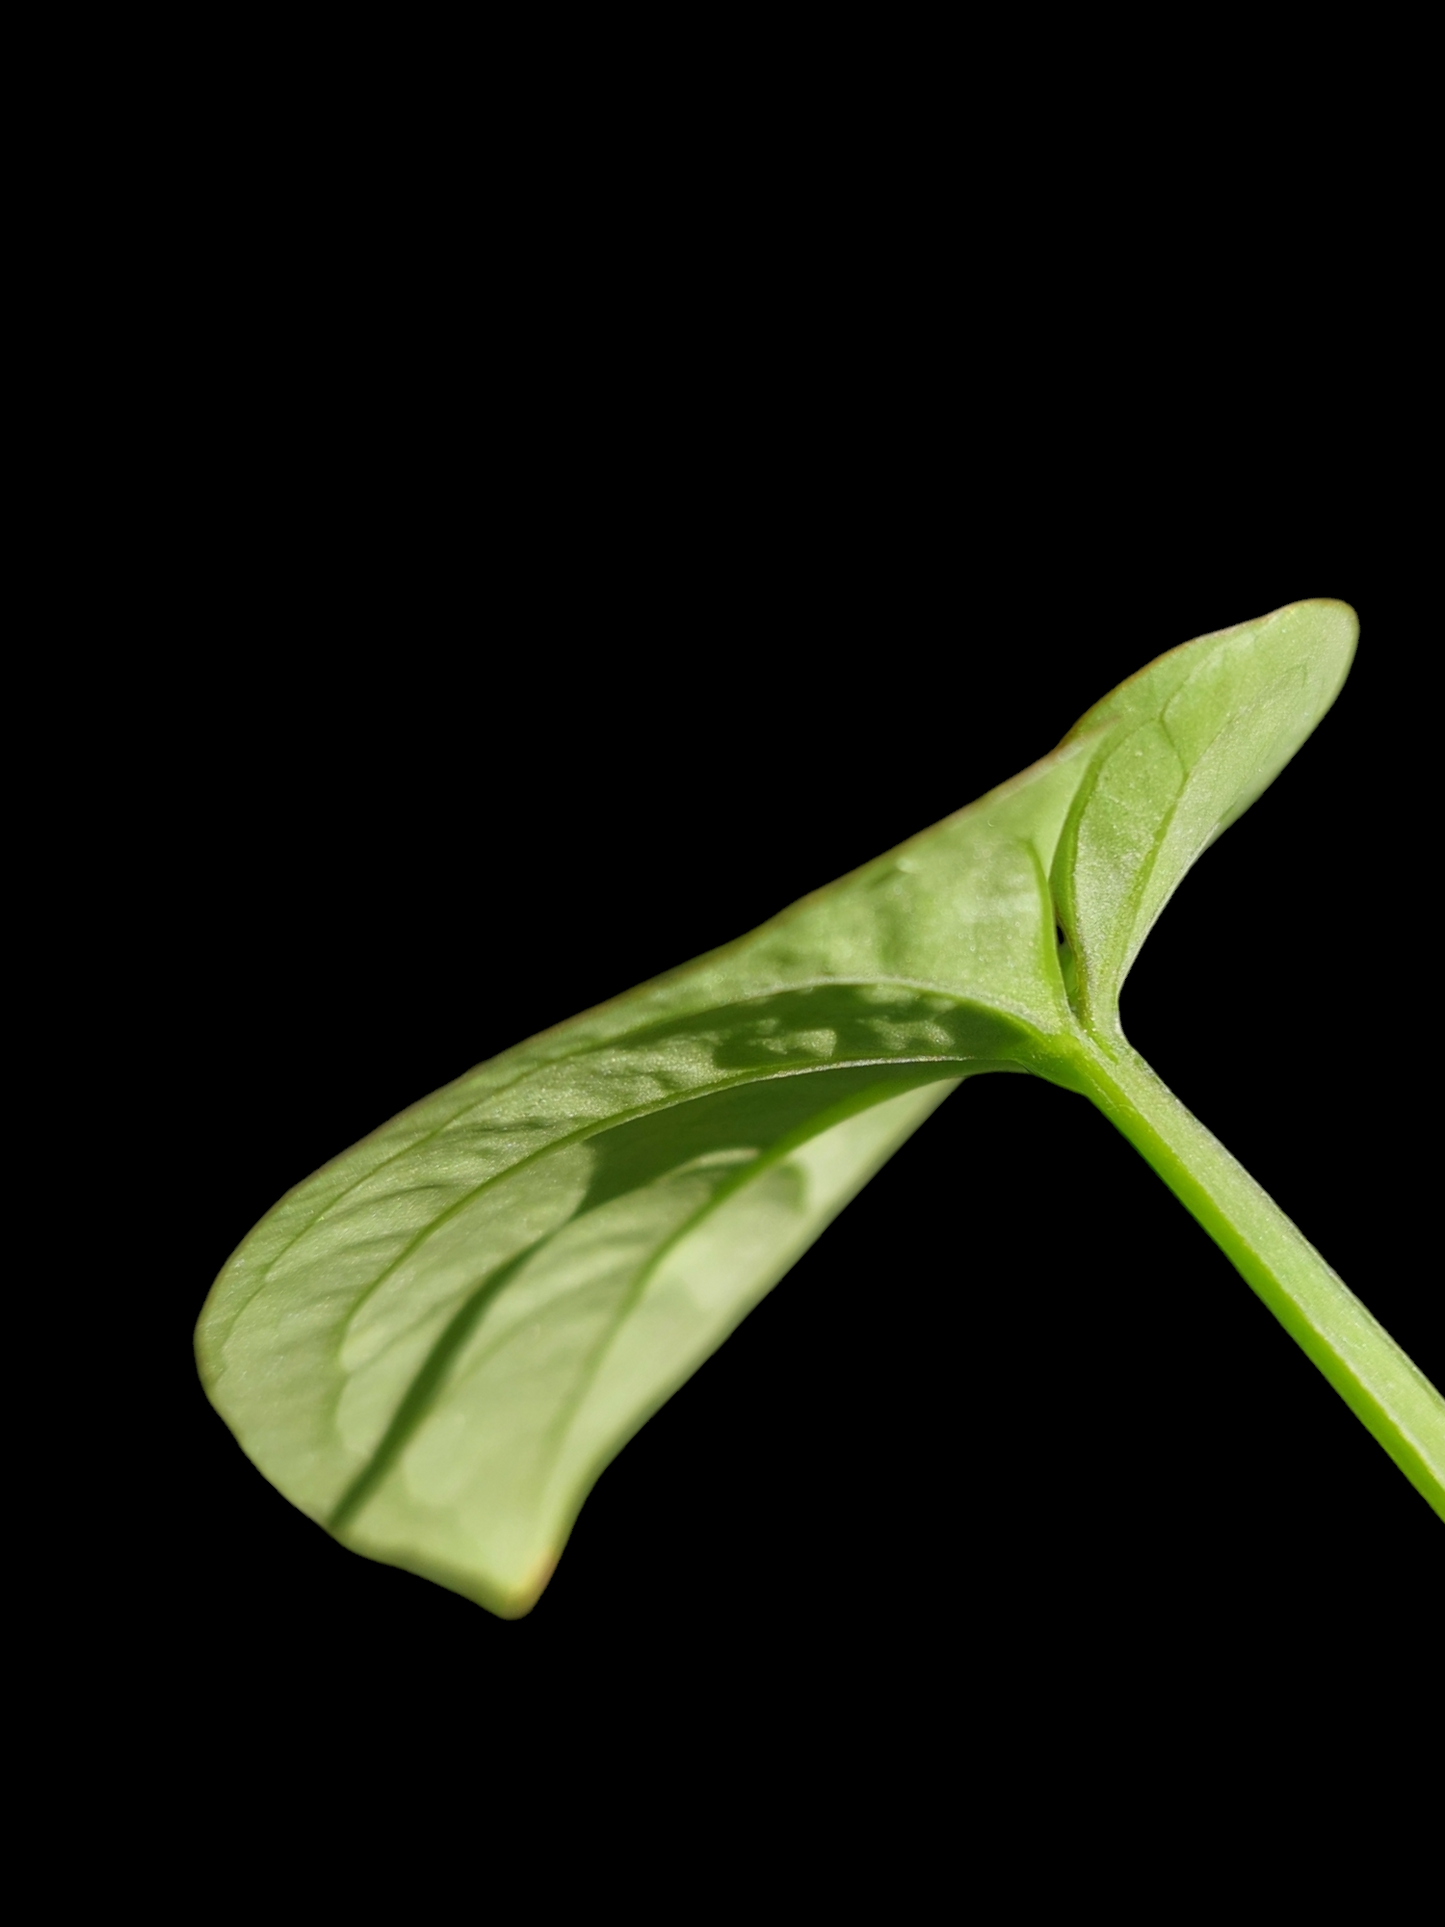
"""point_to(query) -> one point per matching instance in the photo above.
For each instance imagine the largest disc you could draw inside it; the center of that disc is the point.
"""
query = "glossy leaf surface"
(435, 1344)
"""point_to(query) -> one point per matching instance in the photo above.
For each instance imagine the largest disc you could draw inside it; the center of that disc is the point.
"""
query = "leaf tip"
(517, 1602)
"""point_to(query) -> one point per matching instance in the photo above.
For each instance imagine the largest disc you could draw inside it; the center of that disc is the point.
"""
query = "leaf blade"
(1177, 754)
(369, 1341)
(934, 960)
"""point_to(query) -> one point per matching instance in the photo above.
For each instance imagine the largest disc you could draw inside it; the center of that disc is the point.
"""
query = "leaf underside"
(435, 1344)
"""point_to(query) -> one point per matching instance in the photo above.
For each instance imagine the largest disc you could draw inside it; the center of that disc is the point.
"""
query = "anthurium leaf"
(435, 1344)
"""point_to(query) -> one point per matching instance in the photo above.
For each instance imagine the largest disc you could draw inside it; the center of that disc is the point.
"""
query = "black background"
(514, 685)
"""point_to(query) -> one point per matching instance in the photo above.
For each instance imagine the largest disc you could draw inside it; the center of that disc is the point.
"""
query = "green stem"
(1381, 1386)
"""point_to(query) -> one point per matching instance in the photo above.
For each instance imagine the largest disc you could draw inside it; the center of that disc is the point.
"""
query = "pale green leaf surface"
(435, 1344)
(1177, 753)
(319, 1329)
(600, 1323)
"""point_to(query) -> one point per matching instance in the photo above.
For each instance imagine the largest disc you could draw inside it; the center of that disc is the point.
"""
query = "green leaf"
(435, 1344)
